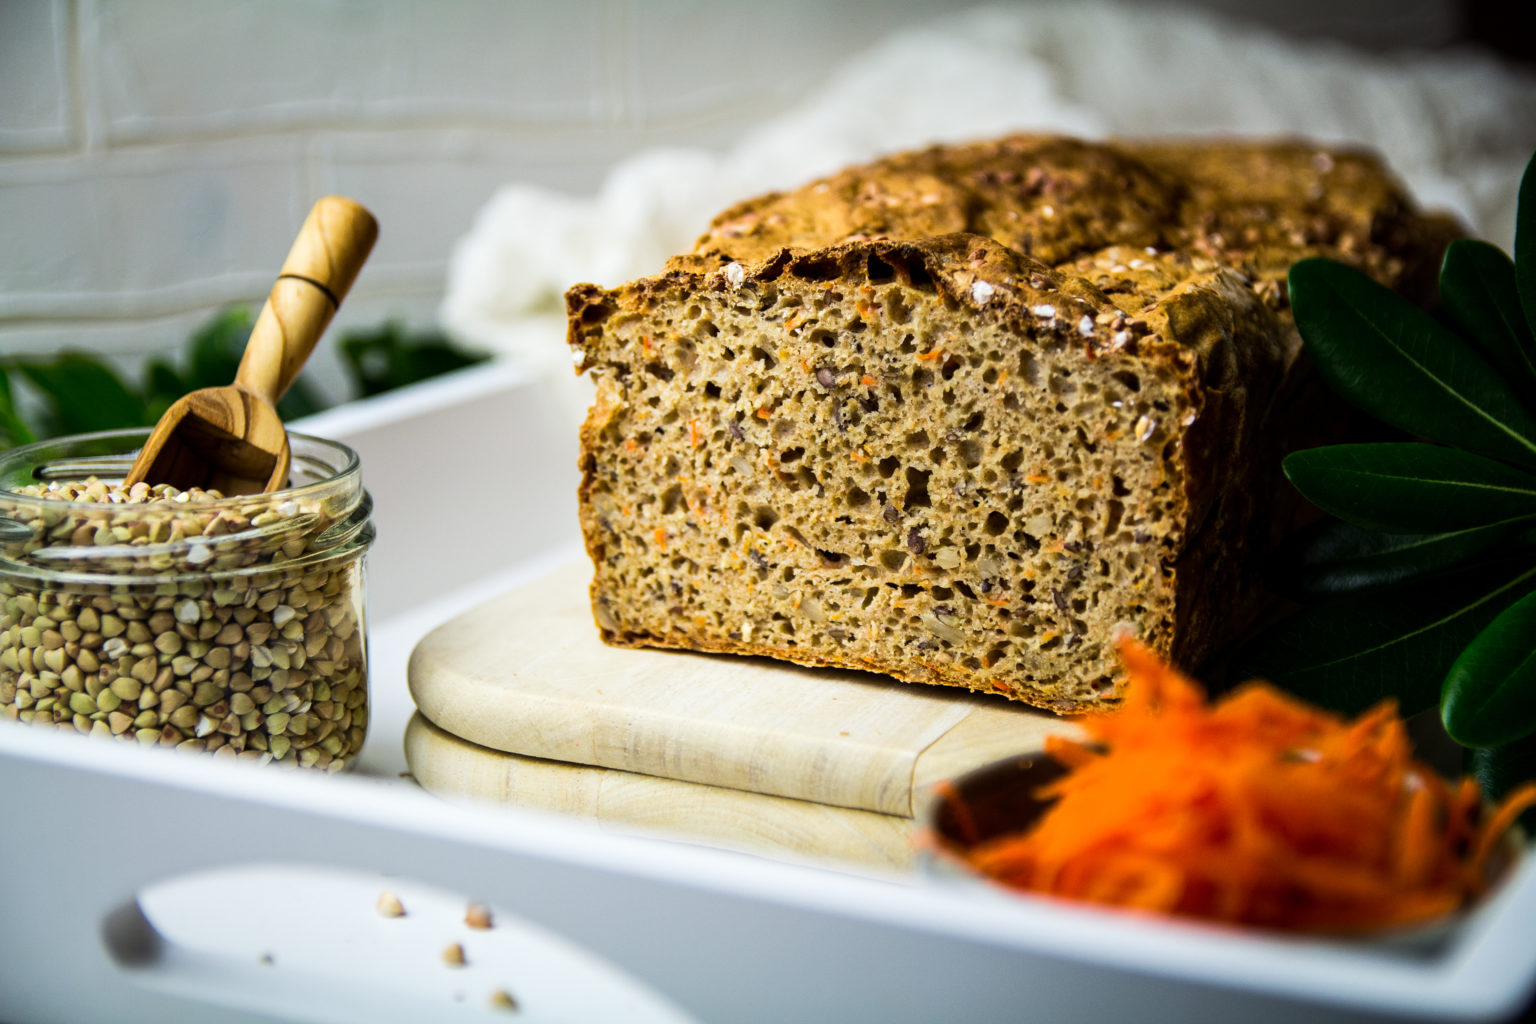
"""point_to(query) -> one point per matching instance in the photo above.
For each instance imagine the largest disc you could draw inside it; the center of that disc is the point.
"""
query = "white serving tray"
(146, 885)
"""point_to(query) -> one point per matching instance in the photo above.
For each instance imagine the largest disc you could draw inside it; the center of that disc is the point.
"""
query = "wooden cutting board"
(526, 673)
(625, 801)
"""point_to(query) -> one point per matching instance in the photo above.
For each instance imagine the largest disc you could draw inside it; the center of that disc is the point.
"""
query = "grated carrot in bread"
(1255, 809)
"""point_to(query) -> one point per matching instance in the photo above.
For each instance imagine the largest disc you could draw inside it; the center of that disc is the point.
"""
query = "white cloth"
(1457, 128)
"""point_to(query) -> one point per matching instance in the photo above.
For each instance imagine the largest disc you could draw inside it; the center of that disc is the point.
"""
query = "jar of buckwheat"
(231, 625)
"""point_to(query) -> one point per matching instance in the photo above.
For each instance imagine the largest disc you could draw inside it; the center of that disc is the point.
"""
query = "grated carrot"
(1255, 809)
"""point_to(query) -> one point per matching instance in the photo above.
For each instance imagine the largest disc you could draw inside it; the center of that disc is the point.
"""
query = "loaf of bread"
(961, 415)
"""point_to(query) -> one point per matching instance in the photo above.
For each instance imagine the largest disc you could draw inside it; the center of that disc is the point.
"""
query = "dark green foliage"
(1489, 697)
(1404, 367)
(1412, 488)
(81, 394)
(1479, 298)
(1349, 652)
(1425, 592)
(384, 359)
(1332, 557)
(76, 392)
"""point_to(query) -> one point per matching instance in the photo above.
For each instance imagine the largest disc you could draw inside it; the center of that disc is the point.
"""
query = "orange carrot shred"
(1416, 838)
(1515, 804)
(1255, 808)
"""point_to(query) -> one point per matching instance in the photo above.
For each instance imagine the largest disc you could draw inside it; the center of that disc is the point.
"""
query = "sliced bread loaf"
(960, 415)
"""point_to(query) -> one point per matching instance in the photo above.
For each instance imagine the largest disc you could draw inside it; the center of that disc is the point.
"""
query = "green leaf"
(1402, 366)
(12, 430)
(387, 358)
(84, 394)
(1500, 769)
(299, 400)
(162, 386)
(1350, 652)
(426, 359)
(1331, 557)
(1411, 488)
(1489, 697)
(215, 349)
(1525, 244)
(368, 355)
(161, 378)
(1479, 298)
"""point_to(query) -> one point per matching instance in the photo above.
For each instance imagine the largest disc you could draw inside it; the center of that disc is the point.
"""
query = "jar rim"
(305, 452)
(335, 473)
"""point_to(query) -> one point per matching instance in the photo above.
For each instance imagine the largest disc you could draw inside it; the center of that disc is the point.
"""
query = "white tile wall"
(427, 186)
(688, 62)
(35, 76)
(149, 231)
(177, 68)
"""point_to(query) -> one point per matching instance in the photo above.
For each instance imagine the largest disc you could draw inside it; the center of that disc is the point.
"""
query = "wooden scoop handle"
(324, 261)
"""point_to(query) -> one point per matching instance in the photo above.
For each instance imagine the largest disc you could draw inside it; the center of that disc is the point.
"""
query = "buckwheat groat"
(960, 415)
(185, 619)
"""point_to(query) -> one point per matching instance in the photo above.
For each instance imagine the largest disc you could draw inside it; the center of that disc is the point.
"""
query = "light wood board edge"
(777, 827)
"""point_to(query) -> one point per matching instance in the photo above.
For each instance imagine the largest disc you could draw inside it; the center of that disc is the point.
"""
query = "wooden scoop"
(231, 438)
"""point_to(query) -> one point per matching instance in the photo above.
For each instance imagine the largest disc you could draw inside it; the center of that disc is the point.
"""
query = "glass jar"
(233, 625)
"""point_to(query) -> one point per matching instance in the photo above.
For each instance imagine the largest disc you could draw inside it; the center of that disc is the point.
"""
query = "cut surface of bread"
(961, 416)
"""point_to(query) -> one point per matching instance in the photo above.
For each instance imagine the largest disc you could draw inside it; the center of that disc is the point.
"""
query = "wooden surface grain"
(629, 802)
(525, 673)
